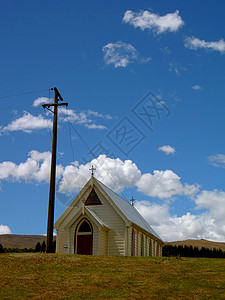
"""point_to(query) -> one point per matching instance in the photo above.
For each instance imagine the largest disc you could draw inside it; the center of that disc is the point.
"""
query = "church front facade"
(100, 222)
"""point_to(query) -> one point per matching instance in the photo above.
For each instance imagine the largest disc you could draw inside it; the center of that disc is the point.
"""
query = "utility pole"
(51, 204)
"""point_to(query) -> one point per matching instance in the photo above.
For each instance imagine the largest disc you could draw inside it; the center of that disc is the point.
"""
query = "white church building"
(100, 222)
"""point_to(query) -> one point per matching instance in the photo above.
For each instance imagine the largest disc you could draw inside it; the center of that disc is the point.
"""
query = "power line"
(21, 94)
(93, 154)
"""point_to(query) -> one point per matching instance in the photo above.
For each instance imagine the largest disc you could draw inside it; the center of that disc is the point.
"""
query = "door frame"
(76, 234)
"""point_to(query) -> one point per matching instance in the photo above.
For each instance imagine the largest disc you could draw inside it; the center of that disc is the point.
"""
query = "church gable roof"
(128, 210)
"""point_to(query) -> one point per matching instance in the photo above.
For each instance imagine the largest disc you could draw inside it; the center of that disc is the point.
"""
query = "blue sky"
(145, 85)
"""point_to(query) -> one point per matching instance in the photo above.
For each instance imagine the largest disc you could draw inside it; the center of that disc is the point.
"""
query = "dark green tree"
(43, 247)
(38, 247)
(1, 249)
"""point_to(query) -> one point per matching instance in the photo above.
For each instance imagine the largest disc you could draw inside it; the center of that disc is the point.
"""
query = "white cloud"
(98, 115)
(35, 168)
(209, 224)
(119, 54)
(27, 123)
(5, 229)
(95, 126)
(154, 214)
(114, 173)
(41, 100)
(196, 87)
(167, 149)
(188, 226)
(195, 43)
(81, 118)
(164, 184)
(214, 201)
(125, 174)
(217, 160)
(159, 24)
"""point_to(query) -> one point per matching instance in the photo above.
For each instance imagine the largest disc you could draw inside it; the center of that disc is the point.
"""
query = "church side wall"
(151, 247)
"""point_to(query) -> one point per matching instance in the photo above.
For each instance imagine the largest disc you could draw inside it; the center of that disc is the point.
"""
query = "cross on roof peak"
(92, 169)
(132, 201)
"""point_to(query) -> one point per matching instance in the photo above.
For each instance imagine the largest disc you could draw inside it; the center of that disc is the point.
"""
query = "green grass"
(52, 276)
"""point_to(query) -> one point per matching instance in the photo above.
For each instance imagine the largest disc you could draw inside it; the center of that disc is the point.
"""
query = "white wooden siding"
(103, 242)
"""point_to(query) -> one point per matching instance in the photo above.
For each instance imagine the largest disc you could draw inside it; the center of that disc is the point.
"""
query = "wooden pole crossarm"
(54, 104)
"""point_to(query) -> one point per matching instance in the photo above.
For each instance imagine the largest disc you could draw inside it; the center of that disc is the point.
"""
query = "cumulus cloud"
(153, 213)
(195, 43)
(217, 160)
(5, 229)
(196, 87)
(35, 168)
(114, 173)
(164, 184)
(121, 54)
(188, 226)
(27, 123)
(214, 201)
(209, 224)
(41, 100)
(118, 174)
(159, 24)
(167, 149)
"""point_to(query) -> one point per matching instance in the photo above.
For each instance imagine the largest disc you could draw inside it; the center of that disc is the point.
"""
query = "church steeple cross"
(132, 201)
(92, 169)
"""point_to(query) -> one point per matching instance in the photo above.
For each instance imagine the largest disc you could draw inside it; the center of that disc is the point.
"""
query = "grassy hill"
(52, 276)
(199, 244)
(21, 241)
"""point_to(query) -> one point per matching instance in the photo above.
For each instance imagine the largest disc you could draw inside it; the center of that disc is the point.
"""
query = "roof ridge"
(112, 191)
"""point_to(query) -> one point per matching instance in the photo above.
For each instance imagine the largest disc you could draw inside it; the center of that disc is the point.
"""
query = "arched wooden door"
(83, 238)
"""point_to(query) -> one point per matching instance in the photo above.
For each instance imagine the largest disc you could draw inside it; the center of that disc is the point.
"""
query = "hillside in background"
(21, 241)
(199, 243)
(30, 241)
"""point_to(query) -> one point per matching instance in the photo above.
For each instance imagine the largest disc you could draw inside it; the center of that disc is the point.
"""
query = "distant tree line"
(38, 248)
(190, 251)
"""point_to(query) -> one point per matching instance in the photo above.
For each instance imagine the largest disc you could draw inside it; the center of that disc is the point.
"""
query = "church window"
(93, 199)
(133, 243)
(142, 245)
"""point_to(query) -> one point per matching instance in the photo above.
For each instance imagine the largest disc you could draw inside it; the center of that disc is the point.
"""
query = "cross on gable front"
(92, 169)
